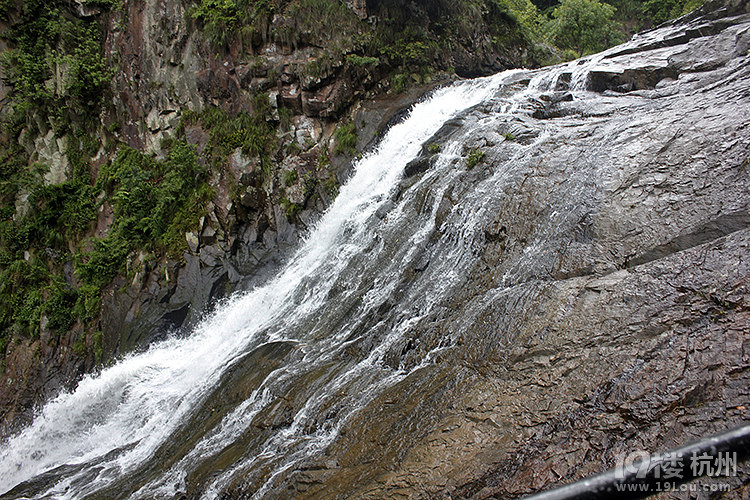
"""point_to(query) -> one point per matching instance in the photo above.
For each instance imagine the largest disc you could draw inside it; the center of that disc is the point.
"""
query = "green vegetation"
(356, 60)
(37, 238)
(56, 68)
(155, 204)
(584, 26)
(400, 82)
(326, 23)
(226, 21)
(285, 118)
(331, 185)
(290, 177)
(251, 132)
(291, 209)
(323, 160)
(346, 139)
(580, 27)
(49, 270)
(56, 63)
(474, 157)
(659, 11)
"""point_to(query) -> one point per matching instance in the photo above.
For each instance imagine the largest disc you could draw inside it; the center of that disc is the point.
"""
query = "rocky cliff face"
(168, 73)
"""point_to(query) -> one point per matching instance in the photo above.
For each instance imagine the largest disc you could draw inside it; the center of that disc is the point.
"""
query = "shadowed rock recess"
(559, 277)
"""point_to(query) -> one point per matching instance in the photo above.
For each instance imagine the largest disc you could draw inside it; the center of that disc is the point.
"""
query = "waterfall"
(409, 282)
(267, 381)
(276, 377)
(123, 428)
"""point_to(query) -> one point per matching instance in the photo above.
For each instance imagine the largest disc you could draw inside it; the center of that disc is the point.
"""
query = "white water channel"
(128, 431)
(115, 421)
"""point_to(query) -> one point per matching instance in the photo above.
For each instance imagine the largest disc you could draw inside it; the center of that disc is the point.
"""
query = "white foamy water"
(114, 422)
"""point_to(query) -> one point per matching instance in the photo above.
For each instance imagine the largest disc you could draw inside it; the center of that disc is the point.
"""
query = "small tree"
(663, 10)
(584, 26)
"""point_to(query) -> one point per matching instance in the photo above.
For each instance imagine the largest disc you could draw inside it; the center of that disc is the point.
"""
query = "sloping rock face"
(607, 310)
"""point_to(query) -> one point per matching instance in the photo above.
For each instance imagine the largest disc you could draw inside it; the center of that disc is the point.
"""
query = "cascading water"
(268, 381)
(125, 421)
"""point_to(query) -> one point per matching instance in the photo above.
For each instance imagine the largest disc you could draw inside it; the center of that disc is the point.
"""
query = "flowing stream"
(267, 382)
(286, 333)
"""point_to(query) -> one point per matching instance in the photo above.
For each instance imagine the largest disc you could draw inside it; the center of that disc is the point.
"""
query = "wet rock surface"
(571, 375)
(580, 292)
(607, 308)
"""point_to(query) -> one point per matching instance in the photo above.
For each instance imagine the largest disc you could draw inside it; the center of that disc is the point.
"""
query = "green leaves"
(67, 208)
(148, 196)
(98, 267)
(346, 139)
(584, 26)
(474, 157)
(356, 60)
(154, 202)
(56, 61)
(88, 71)
(219, 18)
(664, 10)
(291, 209)
(222, 20)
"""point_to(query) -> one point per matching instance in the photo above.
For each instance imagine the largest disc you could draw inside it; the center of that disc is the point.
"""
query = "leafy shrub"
(525, 13)
(21, 291)
(58, 307)
(474, 157)
(291, 209)
(225, 21)
(28, 312)
(48, 40)
(324, 23)
(285, 118)
(66, 209)
(154, 202)
(660, 11)
(356, 60)
(323, 160)
(346, 139)
(331, 185)
(400, 82)
(585, 26)
(35, 248)
(249, 131)
(89, 73)
(219, 18)
(290, 177)
(88, 302)
(98, 267)
(98, 338)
